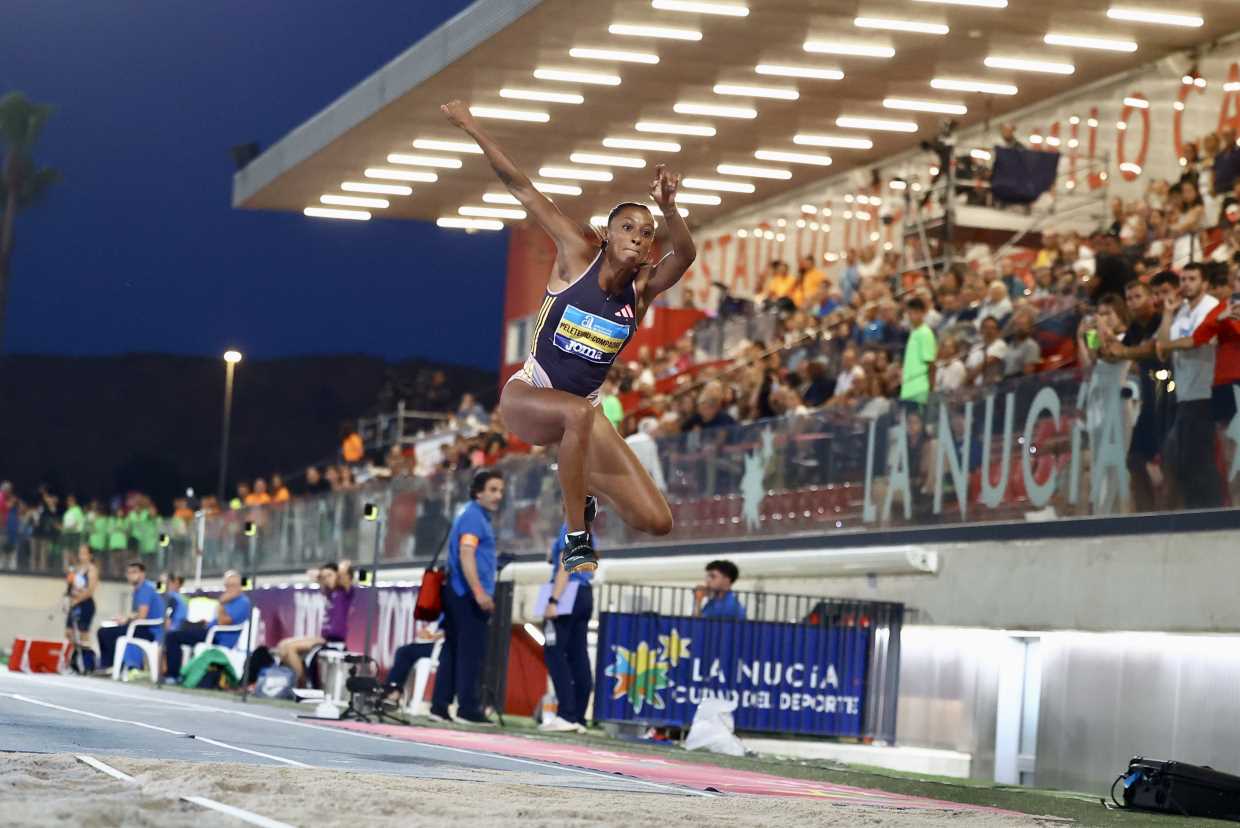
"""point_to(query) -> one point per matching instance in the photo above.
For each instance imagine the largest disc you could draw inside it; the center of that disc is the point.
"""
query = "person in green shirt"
(118, 534)
(919, 356)
(143, 529)
(96, 528)
(613, 409)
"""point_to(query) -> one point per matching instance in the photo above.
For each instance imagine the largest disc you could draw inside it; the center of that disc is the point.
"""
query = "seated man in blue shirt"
(720, 601)
(146, 603)
(234, 609)
(175, 603)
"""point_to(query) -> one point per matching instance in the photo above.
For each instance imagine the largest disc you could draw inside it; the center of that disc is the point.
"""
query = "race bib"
(588, 336)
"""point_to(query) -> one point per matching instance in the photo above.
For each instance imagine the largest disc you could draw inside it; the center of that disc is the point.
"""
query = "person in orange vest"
(352, 449)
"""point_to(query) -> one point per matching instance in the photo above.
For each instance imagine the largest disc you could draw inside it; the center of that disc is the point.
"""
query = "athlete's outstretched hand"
(663, 188)
(458, 113)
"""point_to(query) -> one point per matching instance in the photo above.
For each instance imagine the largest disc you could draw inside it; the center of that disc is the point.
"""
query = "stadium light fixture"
(619, 55)
(333, 213)
(557, 189)
(835, 47)
(458, 223)
(714, 110)
(1163, 18)
(504, 113)
(814, 158)
(381, 189)
(985, 4)
(631, 161)
(791, 71)
(1084, 42)
(575, 173)
(439, 145)
(911, 105)
(353, 201)
(1137, 103)
(490, 212)
(673, 128)
(881, 124)
(424, 161)
(753, 172)
(698, 198)
(389, 174)
(517, 94)
(500, 198)
(552, 73)
(641, 30)
(809, 209)
(641, 144)
(965, 85)
(894, 25)
(807, 139)
(698, 7)
(1025, 65)
(783, 93)
(717, 184)
(232, 357)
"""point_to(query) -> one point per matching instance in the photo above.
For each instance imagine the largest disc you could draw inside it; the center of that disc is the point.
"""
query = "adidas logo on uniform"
(625, 312)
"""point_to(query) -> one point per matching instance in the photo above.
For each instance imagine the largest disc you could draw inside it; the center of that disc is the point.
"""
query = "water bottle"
(549, 634)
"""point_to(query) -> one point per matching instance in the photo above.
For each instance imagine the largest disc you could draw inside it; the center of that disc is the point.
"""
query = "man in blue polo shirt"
(146, 603)
(720, 601)
(468, 602)
(234, 609)
(566, 627)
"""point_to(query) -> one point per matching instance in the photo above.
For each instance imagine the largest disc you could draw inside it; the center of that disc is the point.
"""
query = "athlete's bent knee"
(661, 522)
(579, 416)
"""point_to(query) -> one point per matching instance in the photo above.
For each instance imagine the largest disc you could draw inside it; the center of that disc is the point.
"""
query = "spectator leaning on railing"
(714, 598)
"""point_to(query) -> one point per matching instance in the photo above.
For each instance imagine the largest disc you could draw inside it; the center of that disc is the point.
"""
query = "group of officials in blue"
(468, 601)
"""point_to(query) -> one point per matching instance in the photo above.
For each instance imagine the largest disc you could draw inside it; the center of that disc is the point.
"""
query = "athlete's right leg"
(544, 417)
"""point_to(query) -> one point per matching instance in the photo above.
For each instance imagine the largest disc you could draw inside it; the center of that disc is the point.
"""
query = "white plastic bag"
(712, 729)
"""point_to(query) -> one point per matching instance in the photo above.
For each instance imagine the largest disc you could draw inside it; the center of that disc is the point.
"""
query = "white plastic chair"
(237, 653)
(150, 649)
(422, 669)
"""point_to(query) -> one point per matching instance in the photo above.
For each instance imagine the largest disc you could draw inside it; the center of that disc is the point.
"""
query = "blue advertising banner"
(784, 678)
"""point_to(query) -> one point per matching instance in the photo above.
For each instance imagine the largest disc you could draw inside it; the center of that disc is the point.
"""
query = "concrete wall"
(34, 607)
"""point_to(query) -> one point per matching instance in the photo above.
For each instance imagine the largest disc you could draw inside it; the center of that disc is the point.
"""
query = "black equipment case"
(1180, 788)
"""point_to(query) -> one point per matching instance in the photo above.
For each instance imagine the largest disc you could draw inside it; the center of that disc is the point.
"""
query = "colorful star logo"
(641, 673)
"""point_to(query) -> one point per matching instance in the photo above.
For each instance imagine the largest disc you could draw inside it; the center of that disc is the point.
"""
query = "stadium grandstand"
(927, 386)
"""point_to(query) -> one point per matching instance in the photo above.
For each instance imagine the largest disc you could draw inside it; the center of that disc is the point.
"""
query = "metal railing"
(1042, 447)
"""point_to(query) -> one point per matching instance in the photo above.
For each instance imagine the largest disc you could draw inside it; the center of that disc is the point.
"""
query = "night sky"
(138, 249)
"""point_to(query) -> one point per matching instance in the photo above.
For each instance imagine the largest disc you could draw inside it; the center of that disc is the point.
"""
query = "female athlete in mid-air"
(596, 297)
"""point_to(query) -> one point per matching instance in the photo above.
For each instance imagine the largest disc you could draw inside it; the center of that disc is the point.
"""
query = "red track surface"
(656, 769)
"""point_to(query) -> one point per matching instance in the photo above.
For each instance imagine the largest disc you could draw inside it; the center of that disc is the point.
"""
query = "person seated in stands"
(709, 413)
(1023, 353)
(408, 655)
(714, 598)
(336, 584)
(234, 609)
(146, 603)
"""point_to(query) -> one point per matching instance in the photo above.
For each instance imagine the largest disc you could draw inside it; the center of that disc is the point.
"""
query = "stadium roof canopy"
(773, 82)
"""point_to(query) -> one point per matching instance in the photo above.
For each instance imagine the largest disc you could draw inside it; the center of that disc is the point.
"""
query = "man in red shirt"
(1222, 326)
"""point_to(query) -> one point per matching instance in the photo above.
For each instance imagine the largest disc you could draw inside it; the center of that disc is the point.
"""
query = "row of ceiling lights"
(472, 214)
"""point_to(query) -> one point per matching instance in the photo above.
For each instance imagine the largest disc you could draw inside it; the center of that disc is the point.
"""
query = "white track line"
(239, 813)
(590, 772)
(281, 759)
(200, 801)
(106, 768)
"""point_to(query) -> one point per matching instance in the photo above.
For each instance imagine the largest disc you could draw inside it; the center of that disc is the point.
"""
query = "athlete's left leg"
(615, 474)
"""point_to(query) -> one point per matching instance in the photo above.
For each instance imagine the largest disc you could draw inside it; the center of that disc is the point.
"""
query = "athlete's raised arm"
(672, 266)
(568, 236)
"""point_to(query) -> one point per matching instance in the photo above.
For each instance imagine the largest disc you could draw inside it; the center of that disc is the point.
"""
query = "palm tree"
(22, 184)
